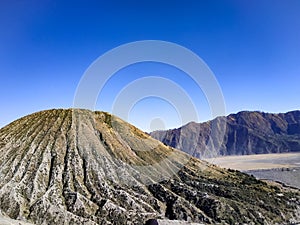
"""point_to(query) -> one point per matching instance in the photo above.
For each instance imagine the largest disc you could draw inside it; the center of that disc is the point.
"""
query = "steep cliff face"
(82, 167)
(244, 133)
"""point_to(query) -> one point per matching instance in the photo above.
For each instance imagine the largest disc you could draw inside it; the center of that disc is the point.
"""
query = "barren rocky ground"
(83, 167)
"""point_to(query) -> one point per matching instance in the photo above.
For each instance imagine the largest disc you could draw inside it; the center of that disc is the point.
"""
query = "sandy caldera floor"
(258, 162)
(281, 167)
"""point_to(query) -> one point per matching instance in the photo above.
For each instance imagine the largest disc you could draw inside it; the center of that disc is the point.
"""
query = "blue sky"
(252, 47)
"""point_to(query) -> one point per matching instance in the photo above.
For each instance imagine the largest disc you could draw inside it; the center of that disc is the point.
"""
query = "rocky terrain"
(243, 133)
(83, 167)
(8, 221)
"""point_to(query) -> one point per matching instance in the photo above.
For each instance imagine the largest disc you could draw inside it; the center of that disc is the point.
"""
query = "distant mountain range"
(243, 133)
(82, 167)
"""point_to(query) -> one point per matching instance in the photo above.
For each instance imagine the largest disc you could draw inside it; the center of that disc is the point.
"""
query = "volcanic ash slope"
(83, 167)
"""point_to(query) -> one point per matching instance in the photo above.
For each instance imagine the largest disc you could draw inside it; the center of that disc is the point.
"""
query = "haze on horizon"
(252, 48)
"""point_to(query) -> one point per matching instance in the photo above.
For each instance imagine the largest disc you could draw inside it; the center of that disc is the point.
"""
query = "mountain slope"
(82, 167)
(244, 133)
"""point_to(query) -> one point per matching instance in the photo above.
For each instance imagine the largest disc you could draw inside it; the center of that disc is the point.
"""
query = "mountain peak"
(81, 167)
(243, 133)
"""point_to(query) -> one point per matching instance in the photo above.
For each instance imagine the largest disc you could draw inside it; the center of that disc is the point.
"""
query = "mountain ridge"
(246, 132)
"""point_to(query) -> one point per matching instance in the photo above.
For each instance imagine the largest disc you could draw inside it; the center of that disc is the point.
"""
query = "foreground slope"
(245, 133)
(82, 167)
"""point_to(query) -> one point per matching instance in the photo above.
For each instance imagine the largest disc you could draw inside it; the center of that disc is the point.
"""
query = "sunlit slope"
(78, 166)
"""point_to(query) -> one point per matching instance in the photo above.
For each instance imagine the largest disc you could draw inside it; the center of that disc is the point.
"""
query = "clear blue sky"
(253, 48)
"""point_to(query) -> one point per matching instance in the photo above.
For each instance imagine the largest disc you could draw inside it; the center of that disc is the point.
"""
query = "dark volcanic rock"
(244, 133)
(151, 222)
(82, 167)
